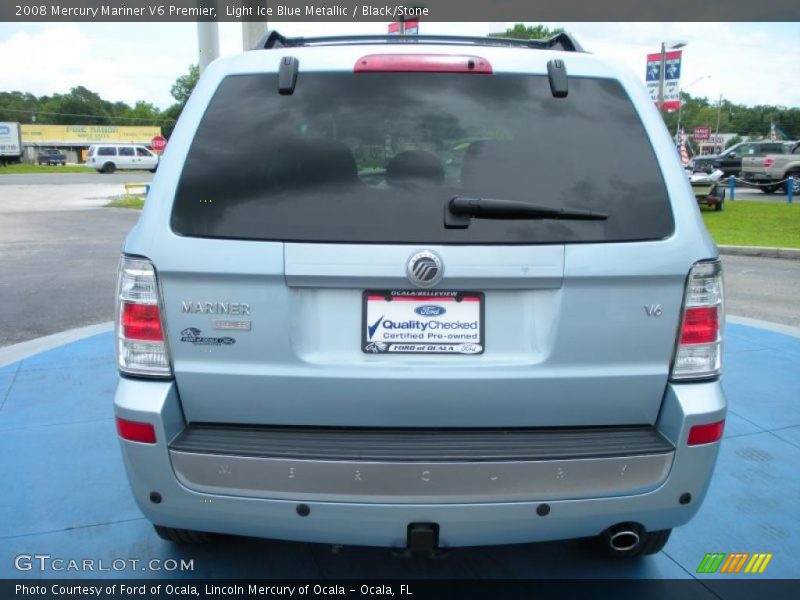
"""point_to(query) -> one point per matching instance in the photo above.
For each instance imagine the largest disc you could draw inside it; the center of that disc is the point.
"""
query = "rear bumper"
(584, 497)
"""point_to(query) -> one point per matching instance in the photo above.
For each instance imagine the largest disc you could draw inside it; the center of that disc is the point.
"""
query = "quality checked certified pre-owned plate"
(422, 322)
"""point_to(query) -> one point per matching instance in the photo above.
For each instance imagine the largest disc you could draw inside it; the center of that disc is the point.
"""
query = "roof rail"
(562, 41)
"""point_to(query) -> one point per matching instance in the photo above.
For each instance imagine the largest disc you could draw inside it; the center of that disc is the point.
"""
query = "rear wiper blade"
(459, 210)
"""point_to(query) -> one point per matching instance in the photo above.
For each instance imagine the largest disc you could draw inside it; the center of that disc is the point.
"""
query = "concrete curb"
(23, 350)
(768, 325)
(788, 253)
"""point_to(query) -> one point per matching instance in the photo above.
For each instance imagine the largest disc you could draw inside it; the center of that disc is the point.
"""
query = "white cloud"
(750, 63)
(57, 57)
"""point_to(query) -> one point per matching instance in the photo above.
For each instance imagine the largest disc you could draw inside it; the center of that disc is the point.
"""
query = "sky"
(749, 63)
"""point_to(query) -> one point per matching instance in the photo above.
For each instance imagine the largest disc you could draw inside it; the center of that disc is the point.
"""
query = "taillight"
(769, 161)
(141, 322)
(699, 347)
(141, 347)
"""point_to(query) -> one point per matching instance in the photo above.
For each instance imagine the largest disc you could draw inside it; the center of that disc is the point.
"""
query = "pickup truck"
(730, 161)
(51, 157)
(771, 171)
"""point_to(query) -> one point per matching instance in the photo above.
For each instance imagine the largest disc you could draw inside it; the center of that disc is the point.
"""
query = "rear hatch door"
(323, 202)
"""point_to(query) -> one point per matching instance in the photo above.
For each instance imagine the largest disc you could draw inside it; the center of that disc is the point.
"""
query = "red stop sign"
(159, 143)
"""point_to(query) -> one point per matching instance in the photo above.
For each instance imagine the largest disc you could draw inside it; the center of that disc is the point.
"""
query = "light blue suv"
(377, 297)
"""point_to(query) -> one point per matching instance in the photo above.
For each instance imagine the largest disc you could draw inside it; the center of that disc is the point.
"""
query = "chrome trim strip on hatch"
(419, 482)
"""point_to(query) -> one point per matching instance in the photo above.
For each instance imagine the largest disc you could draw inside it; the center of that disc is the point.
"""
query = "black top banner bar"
(395, 10)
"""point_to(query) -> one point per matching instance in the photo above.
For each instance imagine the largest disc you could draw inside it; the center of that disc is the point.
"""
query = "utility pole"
(663, 64)
(680, 106)
(661, 75)
(719, 114)
(253, 30)
(252, 33)
(207, 43)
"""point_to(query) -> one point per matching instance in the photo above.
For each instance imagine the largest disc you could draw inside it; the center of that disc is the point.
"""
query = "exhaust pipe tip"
(624, 537)
(624, 540)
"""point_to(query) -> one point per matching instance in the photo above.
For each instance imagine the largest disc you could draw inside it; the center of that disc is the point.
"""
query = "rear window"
(107, 151)
(91, 151)
(374, 157)
(763, 149)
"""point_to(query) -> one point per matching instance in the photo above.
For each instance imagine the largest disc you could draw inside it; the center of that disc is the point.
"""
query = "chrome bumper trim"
(419, 482)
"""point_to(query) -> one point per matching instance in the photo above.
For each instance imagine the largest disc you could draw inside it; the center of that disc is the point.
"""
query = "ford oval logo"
(430, 310)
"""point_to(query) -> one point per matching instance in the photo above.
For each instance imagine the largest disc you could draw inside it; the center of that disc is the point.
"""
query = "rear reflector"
(141, 322)
(422, 63)
(705, 434)
(135, 431)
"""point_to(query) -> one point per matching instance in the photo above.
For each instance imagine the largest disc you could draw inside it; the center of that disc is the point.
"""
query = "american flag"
(684, 152)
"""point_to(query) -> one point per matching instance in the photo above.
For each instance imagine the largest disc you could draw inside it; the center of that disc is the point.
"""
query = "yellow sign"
(83, 135)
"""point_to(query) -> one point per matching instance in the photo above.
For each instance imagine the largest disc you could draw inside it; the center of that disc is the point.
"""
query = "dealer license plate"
(422, 322)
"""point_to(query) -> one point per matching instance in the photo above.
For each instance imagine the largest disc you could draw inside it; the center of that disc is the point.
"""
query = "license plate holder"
(422, 322)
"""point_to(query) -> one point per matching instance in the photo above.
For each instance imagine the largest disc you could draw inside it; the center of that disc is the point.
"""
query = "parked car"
(107, 158)
(522, 348)
(730, 161)
(51, 157)
(772, 171)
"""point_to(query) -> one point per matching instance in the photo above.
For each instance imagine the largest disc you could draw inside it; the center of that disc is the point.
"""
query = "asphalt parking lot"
(58, 269)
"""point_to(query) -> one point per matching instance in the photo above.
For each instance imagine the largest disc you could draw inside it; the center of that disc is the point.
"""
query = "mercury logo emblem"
(425, 269)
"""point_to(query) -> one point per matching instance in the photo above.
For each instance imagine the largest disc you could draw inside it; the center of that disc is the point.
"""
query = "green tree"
(183, 86)
(17, 106)
(142, 113)
(751, 121)
(733, 141)
(521, 31)
(180, 90)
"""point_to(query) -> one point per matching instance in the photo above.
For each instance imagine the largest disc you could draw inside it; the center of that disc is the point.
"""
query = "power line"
(44, 112)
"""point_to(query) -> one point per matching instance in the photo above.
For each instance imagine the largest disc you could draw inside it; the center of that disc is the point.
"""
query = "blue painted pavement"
(66, 495)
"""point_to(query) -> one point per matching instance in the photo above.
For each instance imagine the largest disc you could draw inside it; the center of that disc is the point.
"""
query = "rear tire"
(650, 542)
(182, 536)
(109, 167)
(769, 189)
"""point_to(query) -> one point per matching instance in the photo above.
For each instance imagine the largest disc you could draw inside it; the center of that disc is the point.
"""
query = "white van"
(107, 158)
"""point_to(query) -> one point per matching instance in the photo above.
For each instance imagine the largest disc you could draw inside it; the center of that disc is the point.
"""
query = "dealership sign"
(84, 135)
(410, 27)
(672, 77)
(702, 134)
